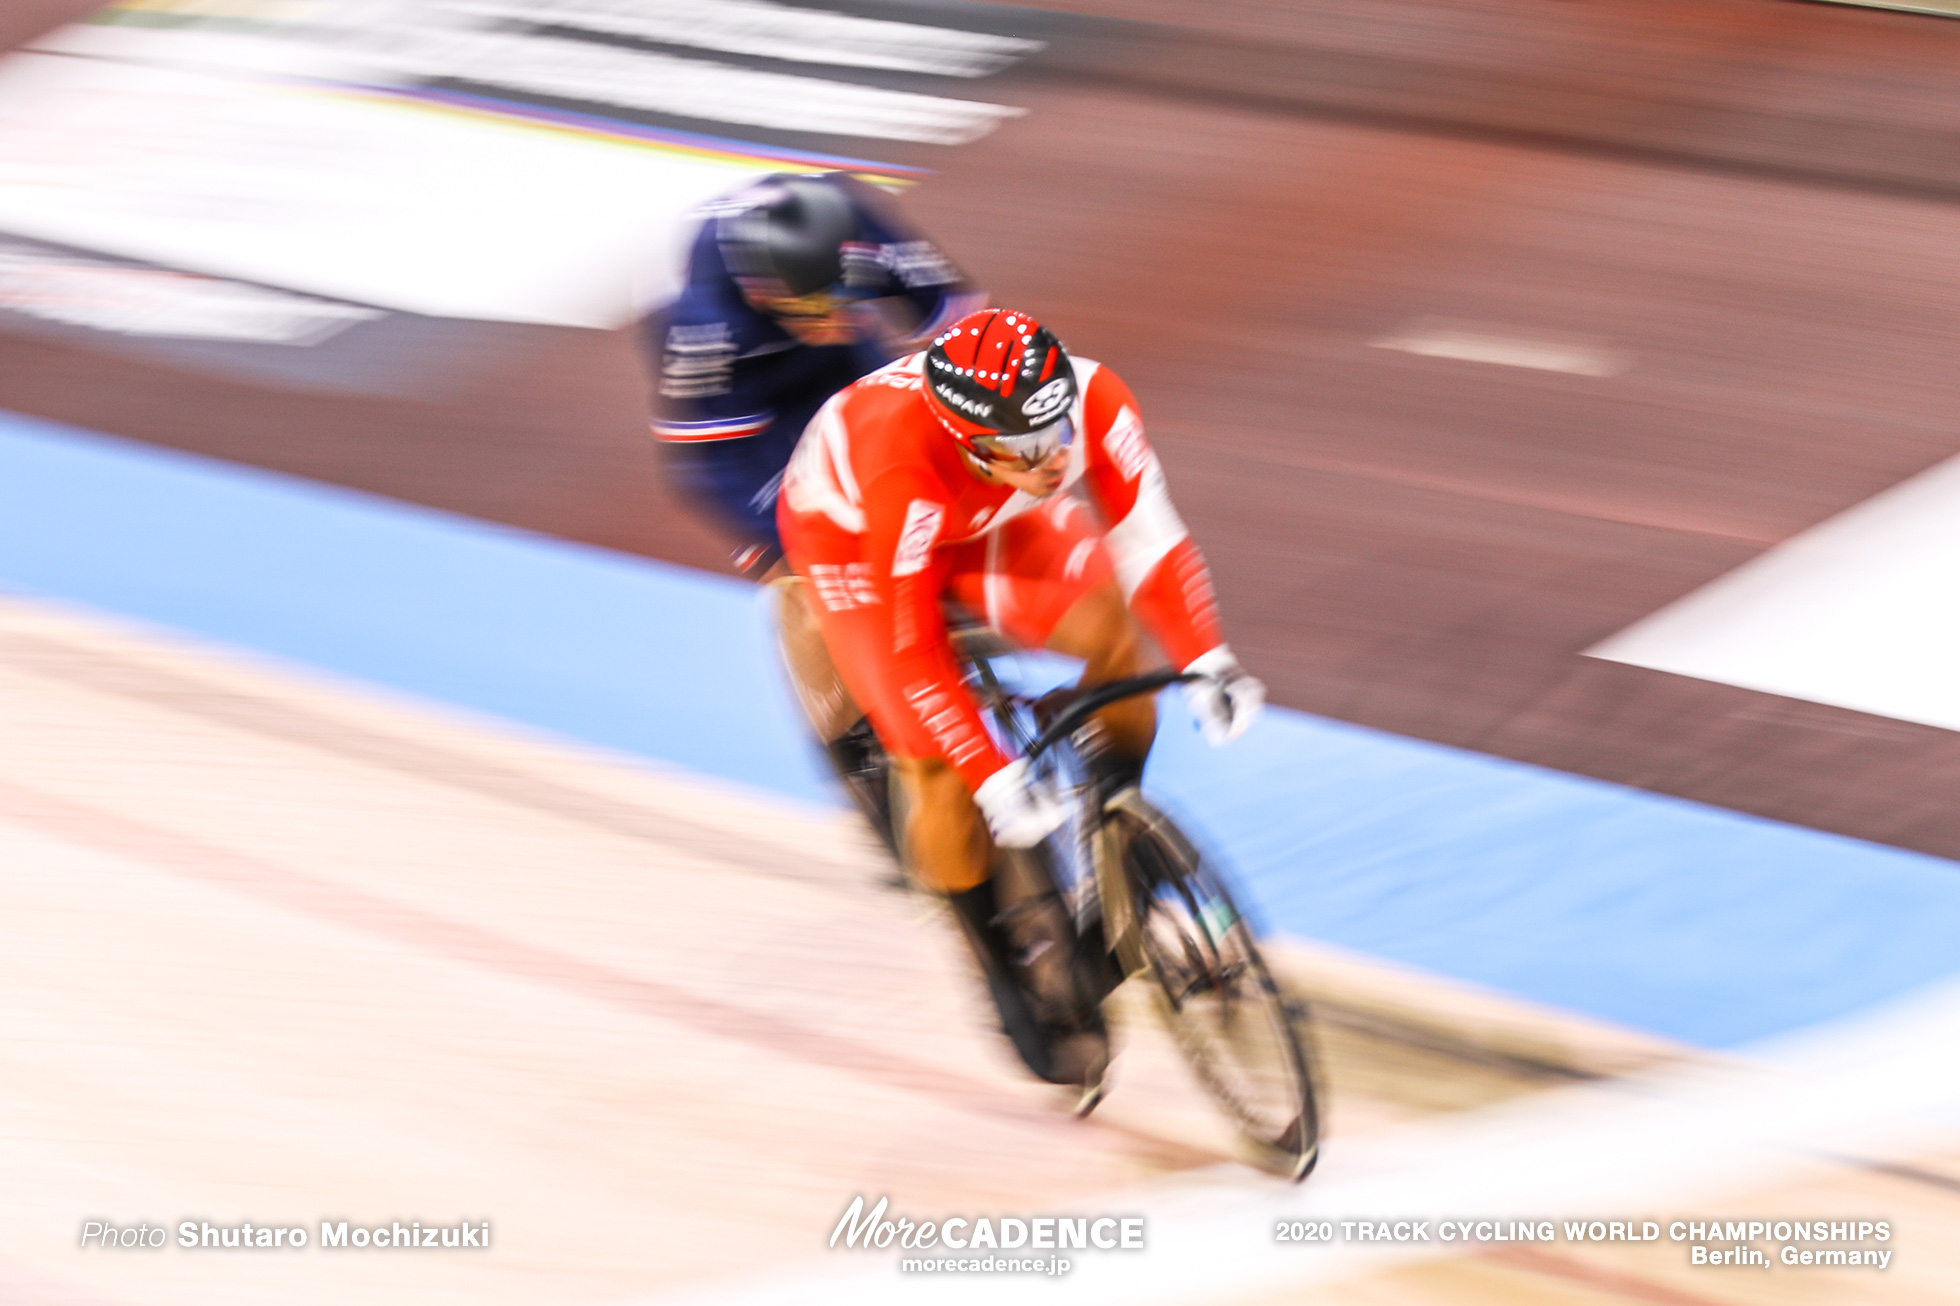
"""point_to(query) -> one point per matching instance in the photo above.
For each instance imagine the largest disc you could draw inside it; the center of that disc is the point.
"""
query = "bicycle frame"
(1069, 710)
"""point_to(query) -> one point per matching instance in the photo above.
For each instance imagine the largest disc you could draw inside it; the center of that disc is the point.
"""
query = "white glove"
(1228, 697)
(1019, 814)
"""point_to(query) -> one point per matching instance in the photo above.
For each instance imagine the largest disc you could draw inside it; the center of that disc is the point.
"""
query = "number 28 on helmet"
(1001, 383)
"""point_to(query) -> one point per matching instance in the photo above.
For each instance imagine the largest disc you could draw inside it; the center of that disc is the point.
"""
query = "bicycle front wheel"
(1243, 1036)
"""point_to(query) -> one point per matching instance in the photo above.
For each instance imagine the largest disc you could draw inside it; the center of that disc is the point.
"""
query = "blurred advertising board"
(505, 160)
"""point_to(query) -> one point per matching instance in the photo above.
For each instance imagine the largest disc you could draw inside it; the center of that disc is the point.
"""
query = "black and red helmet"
(1003, 385)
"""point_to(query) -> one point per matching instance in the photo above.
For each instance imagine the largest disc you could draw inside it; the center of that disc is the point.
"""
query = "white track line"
(1856, 612)
(1482, 345)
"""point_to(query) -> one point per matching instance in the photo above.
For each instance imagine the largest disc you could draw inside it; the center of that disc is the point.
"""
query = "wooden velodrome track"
(281, 950)
(1232, 208)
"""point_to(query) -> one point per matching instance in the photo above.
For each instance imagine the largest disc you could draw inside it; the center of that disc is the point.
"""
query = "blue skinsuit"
(736, 390)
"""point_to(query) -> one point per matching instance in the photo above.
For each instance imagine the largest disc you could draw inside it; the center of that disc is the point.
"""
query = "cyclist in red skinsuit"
(943, 474)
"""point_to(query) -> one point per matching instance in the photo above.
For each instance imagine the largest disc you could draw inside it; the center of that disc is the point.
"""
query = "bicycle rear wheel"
(1245, 1039)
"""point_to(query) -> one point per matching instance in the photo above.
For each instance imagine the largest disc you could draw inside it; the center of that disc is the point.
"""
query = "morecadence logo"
(981, 1237)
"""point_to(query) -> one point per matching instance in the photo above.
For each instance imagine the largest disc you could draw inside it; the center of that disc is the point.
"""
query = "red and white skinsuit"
(882, 517)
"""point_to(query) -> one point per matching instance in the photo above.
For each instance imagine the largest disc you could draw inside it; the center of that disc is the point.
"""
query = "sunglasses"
(1030, 449)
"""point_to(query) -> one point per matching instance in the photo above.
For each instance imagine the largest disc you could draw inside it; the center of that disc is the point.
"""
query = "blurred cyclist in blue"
(797, 286)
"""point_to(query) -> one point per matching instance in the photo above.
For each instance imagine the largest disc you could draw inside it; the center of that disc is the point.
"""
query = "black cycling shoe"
(1046, 1006)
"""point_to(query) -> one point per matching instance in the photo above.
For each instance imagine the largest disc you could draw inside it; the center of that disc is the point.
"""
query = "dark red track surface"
(1757, 200)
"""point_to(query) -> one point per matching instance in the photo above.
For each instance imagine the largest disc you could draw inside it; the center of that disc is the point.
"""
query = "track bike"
(1144, 901)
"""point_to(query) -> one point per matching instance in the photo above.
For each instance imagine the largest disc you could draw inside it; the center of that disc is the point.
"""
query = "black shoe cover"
(1028, 956)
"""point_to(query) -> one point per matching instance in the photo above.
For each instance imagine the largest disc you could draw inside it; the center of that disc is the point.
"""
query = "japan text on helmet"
(788, 236)
(1003, 385)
